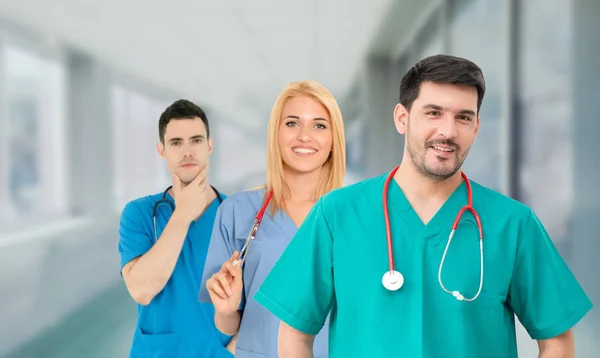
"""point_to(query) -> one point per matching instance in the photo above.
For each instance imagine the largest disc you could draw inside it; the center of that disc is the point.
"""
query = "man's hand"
(191, 199)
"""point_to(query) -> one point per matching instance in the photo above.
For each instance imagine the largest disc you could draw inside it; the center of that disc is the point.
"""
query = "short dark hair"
(181, 109)
(441, 69)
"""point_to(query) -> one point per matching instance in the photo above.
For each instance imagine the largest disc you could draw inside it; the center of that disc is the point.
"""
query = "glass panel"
(430, 40)
(476, 33)
(34, 126)
(138, 169)
(23, 138)
(234, 148)
(546, 113)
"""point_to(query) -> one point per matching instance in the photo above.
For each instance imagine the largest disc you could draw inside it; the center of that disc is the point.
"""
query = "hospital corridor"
(83, 85)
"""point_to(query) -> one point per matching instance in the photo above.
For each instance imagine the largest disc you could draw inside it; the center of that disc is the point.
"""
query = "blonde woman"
(306, 159)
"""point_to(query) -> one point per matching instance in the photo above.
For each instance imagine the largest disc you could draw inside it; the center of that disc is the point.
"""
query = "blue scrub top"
(257, 336)
(174, 324)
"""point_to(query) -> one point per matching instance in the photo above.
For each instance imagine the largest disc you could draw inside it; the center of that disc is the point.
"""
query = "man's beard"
(435, 173)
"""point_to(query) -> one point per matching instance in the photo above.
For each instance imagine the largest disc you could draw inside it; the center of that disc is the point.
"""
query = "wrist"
(181, 218)
(228, 323)
(227, 316)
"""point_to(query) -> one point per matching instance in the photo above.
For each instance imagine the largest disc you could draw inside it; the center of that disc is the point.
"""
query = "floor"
(103, 328)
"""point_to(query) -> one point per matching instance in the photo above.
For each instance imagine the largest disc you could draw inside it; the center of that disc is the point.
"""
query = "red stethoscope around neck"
(392, 280)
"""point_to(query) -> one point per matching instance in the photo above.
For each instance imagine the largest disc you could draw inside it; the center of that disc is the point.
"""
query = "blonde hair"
(334, 169)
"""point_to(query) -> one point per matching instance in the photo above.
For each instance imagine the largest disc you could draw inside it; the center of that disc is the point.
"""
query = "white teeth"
(304, 150)
(443, 149)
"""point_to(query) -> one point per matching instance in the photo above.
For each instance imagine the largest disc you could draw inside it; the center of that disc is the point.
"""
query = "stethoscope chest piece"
(392, 280)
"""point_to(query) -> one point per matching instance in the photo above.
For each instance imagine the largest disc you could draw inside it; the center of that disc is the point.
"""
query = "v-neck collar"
(284, 222)
(440, 222)
(281, 219)
(208, 212)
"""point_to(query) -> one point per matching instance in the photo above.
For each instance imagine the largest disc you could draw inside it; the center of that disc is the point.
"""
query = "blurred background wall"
(82, 84)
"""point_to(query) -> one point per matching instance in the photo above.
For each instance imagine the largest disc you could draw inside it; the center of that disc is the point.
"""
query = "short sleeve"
(299, 288)
(134, 240)
(544, 293)
(220, 249)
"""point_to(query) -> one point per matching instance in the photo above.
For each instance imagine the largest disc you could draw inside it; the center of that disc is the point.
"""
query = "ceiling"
(232, 55)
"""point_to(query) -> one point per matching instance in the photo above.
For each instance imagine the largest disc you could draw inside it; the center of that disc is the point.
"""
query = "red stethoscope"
(257, 221)
(393, 280)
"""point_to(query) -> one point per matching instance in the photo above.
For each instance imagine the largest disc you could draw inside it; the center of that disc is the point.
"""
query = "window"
(430, 40)
(355, 147)
(546, 114)
(238, 160)
(32, 120)
(476, 33)
(138, 170)
(399, 68)
(355, 118)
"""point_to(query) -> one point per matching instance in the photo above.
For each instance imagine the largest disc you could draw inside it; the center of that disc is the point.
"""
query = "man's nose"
(188, 151)
(447, 127)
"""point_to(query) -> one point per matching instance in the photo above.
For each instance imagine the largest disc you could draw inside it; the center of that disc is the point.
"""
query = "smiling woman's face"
(305, 138)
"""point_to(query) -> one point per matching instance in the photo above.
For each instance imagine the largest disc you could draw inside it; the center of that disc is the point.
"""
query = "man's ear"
(210, 145)
(400, 118)
(160, 148)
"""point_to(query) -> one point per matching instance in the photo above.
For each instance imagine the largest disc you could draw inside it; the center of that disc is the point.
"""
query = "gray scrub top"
(257, 336)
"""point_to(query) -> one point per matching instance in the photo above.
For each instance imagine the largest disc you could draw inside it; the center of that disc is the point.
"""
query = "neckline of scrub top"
(208, 207)
(440, 222)
(203, 216)
(283, 221)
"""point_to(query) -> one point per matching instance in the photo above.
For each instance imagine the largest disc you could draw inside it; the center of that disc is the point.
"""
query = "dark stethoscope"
(164, 200)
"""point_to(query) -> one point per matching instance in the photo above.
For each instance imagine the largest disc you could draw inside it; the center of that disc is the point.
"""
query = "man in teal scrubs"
(162, 261)
(337, 260)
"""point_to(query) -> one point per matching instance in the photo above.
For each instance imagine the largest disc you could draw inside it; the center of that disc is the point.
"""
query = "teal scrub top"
(337, 259)
(174, 324)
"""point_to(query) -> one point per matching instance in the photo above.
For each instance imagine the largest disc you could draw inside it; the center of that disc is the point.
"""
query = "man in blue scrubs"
(162, 262)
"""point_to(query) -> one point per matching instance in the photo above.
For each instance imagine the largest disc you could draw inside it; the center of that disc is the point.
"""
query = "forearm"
(556, 352)
(231, 345)
(149, 275)
(562, 346)
(293, 343)
(299, 349)
(228, 324)
(550, 353)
